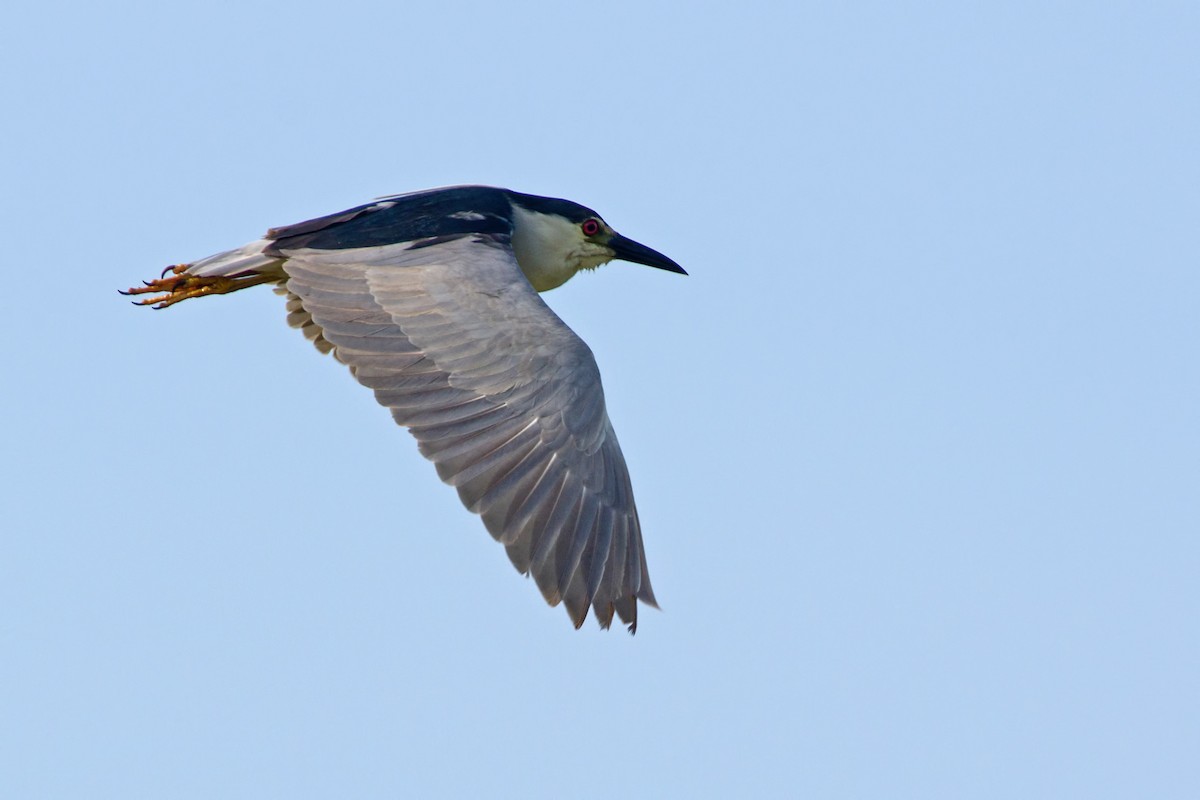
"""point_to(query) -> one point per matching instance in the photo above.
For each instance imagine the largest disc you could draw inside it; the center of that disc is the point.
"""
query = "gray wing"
(501, 395)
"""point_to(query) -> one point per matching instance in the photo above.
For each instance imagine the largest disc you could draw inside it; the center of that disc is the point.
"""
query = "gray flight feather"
(500, 394)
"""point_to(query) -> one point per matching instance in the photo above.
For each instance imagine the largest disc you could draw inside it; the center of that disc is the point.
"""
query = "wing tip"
(625, 608)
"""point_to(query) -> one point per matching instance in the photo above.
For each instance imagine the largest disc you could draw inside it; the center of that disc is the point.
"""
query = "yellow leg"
(182, 286)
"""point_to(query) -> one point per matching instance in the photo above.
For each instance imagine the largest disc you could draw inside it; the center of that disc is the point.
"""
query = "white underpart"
(550, 249)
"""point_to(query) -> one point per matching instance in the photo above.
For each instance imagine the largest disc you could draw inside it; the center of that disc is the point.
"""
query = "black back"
(448, 212)
(433, 214)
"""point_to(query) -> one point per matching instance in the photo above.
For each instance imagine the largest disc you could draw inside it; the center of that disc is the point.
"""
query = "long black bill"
(629, 250)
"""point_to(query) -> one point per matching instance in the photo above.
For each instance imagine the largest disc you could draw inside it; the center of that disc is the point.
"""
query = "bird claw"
(171, 290)
(183, 286)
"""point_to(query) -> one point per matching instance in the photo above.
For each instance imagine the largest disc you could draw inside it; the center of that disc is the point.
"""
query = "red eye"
(590, 227)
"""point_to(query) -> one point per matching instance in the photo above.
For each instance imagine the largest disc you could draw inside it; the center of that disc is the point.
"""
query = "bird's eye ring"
(590, 227)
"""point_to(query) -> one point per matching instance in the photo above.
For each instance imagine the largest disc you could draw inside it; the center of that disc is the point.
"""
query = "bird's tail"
(246, 260)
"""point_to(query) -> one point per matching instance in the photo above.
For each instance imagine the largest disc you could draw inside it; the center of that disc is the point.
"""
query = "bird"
(432, 299)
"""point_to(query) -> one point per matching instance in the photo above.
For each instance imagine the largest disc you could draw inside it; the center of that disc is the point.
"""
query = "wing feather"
(501, 395)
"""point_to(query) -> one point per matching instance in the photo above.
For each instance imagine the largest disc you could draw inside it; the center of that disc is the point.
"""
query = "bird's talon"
(183, 286)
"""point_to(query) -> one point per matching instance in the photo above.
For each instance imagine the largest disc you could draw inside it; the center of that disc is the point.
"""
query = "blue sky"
(916, 444)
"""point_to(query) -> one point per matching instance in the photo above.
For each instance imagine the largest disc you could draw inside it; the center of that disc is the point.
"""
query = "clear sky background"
(916, 446)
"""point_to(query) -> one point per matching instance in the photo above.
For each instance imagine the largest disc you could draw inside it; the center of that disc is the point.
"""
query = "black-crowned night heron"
(431, 299)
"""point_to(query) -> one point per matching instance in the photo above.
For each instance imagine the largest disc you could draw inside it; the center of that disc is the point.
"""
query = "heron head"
(554, 239)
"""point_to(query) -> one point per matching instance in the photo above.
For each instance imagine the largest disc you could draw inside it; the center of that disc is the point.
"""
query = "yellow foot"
(182, 286)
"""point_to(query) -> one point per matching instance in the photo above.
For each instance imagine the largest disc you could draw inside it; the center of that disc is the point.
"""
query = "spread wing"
(500, 394)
